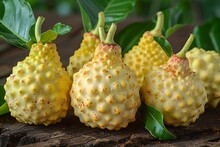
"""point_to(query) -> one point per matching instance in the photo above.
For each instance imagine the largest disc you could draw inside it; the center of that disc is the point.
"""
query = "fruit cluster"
(104, 89)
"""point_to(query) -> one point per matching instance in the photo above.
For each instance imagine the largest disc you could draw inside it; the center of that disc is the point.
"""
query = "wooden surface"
(70, 132)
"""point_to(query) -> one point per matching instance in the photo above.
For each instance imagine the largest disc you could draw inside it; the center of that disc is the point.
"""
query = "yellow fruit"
(87, 48)
(37, 90)
(206, 64)
(175, 90)
(105, 93)
(148, 54)
(84, 54)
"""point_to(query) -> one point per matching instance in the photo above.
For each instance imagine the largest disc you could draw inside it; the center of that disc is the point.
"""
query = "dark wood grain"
(70, 132)
(205, 132)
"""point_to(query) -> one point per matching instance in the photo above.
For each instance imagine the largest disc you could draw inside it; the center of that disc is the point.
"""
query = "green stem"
(101, 23)
(157, 31)
(38, 25)
(182, 53)
(111, 33)
(102, 34)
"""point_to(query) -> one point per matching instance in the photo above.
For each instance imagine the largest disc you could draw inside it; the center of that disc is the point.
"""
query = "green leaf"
(173, 20)
(208, 9)
(3, 104)
(153, 120)
(32, 33)
(85, 19)
(165, 45)
(48, 36)
(205, 35)
(61, 29)
(176, 17)
(2, 8)
(2, 95)
(136, 30)
(202, 37)
(16, 19)
(187, 11)
(4, 109)
(215, 36)
(173, 29)
(115, 11)
(51, 35)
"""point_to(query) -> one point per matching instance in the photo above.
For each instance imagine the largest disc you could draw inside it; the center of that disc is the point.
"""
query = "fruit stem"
(101, 23)
(102, 34)
(157, 31)
(111, 33)
(38, 25)
(182, 53)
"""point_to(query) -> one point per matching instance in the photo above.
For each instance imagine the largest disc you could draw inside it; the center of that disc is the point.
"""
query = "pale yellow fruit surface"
(206, 64)
(84, 54)
(37, 91)
(176, 91)
(143, 57)
(105, 92)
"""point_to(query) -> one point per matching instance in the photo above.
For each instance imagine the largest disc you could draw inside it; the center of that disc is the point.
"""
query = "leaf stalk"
(157, 31)
(182, 53)
(38, 25)
(110, 35)
(101, 23)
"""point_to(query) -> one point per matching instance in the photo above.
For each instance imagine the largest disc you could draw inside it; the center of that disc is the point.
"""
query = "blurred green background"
(199, 10)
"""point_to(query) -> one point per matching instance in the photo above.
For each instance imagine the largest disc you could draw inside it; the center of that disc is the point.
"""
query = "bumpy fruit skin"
(105, 92)
(37, 91)
(145, 56)
(176, 91)
(206, 64)
(84, 54)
